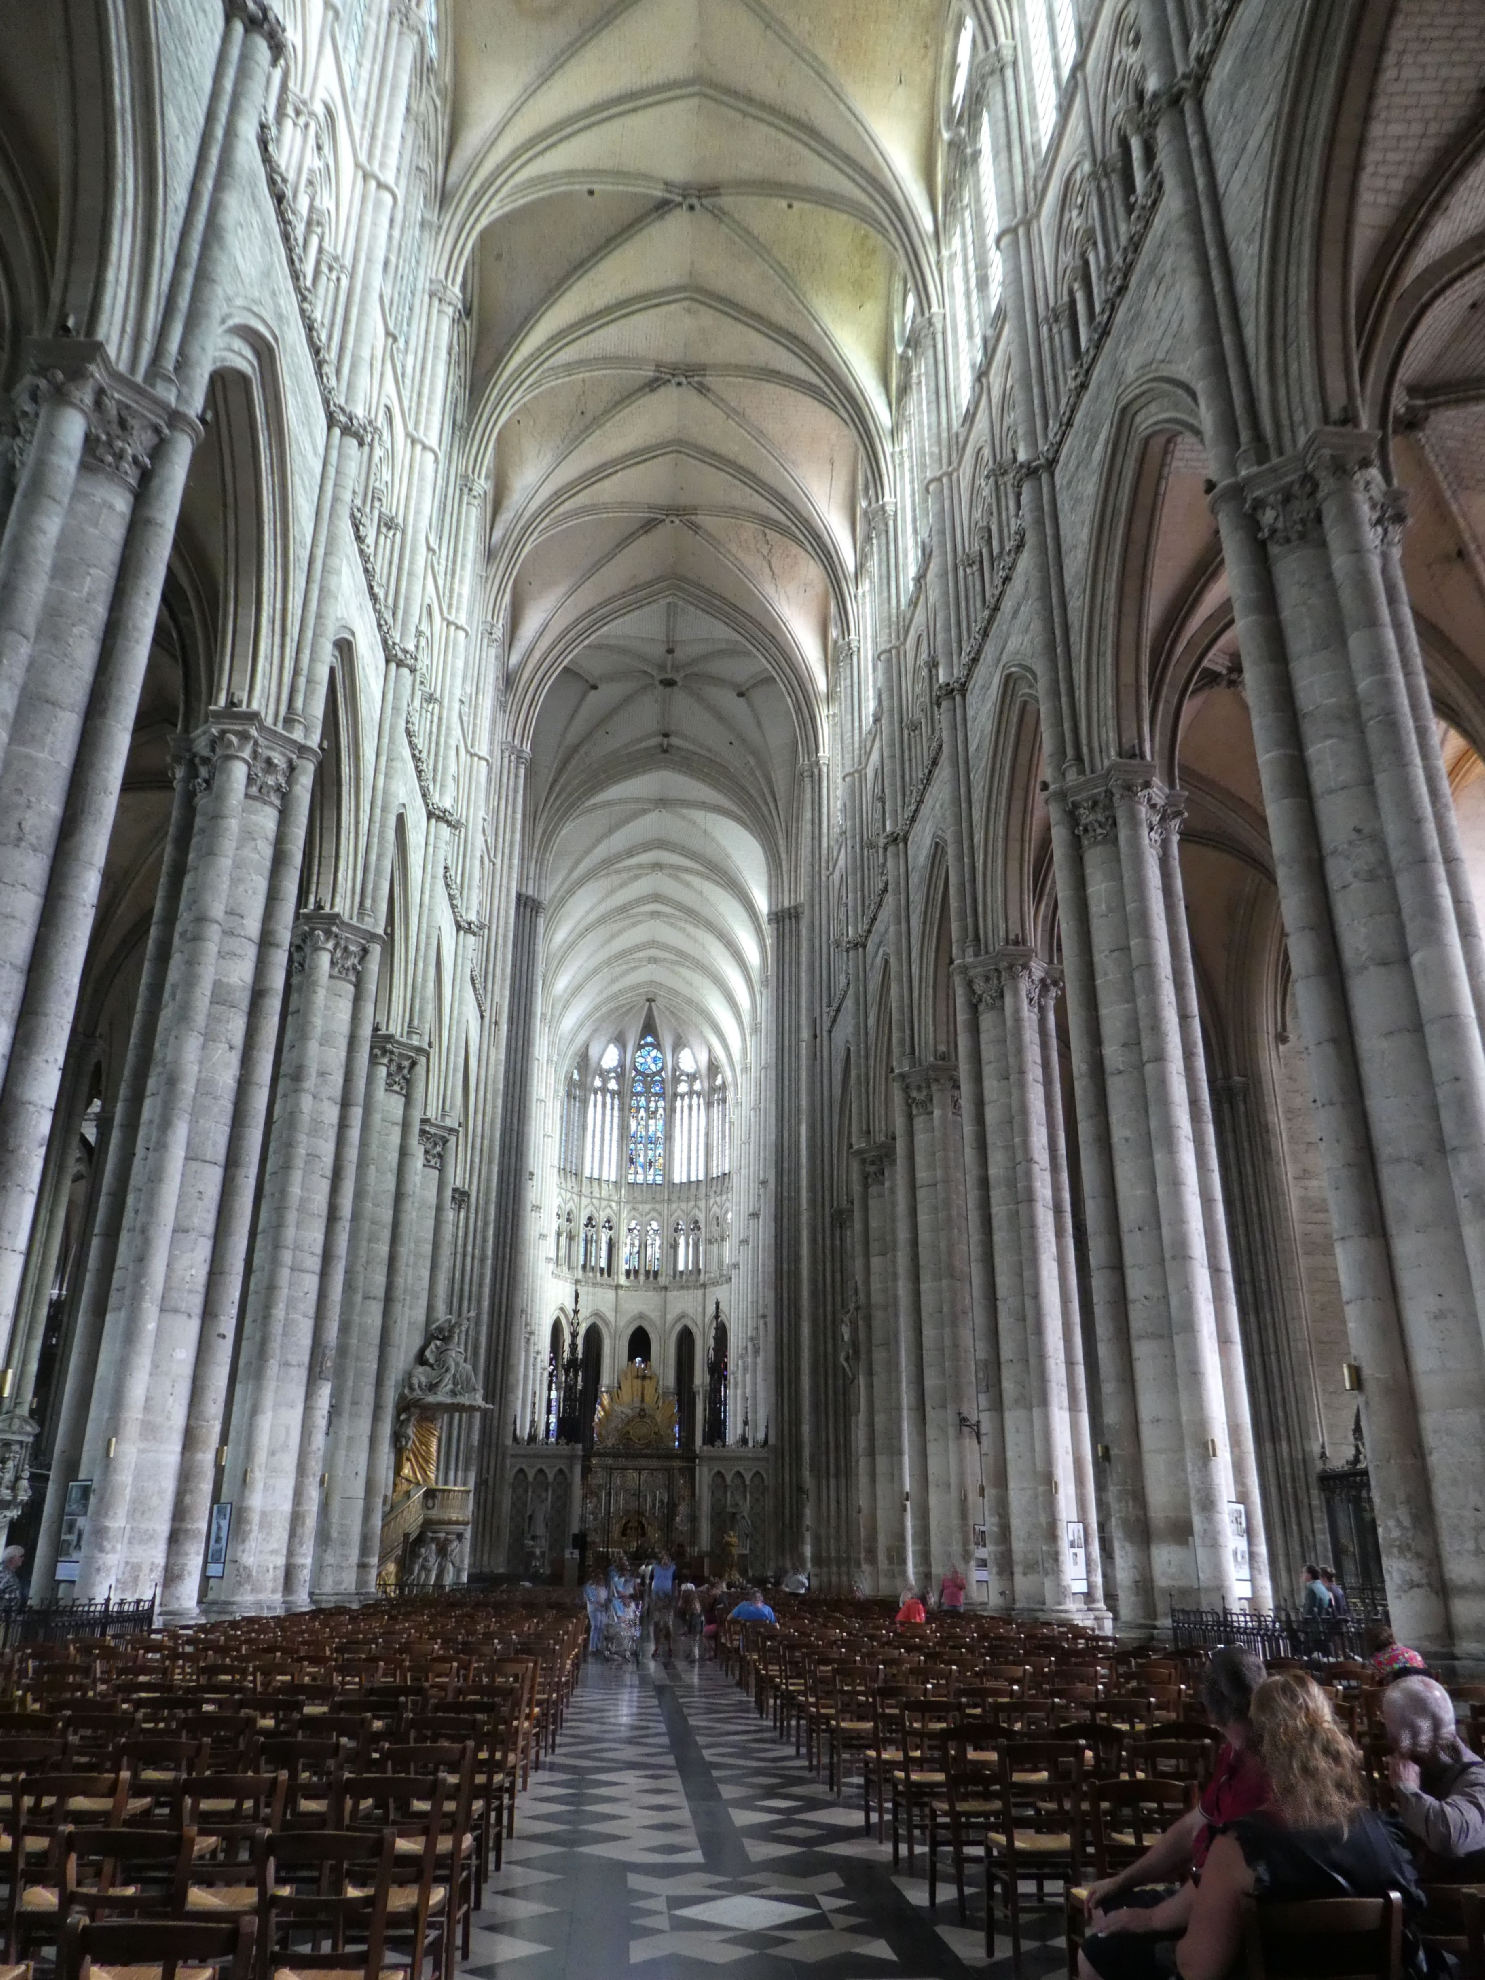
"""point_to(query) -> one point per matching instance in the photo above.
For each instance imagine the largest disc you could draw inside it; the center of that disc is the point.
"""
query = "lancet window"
(631, 1249)
(570, 1141)
(654, 1259)
(601, 1152)
(688, 1120)
(719, 1156)
(647, 1113)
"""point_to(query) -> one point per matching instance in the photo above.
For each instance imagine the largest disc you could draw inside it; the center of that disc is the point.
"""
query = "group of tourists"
(1285, 1818)
(623, 1600)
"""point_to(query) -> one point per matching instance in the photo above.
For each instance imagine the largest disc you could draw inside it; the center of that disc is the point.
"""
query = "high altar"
(639, 1487)
(629, 1487)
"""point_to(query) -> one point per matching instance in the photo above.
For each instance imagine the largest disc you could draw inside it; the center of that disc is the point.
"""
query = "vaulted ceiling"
(684, 226)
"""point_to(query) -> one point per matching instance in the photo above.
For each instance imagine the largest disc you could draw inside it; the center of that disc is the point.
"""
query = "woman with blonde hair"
(1317, 1839)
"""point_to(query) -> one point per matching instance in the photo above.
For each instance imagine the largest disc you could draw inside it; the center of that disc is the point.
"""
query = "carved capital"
(918, 1089)
(1164, 816)
(396, 1059)
(876, 1156)
(986, 984)
(1037, 981)
(271, 766)
(224, 739)
(459, 1199)
(314, 935)
(1284, 502)
(1093, 817)
(259, 18)
(124, 429)
(434, 1137)
(348, 944)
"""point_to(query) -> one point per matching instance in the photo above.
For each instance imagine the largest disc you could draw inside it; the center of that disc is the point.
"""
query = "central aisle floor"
(674, 1832)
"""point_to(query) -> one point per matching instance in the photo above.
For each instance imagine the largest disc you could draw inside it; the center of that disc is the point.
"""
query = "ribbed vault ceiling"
(681, 224)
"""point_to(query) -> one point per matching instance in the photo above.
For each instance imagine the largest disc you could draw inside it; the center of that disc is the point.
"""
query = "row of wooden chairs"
(1049, 1755)
(337, 1785)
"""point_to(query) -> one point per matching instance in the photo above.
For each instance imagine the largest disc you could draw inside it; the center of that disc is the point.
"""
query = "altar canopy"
(639, 1491)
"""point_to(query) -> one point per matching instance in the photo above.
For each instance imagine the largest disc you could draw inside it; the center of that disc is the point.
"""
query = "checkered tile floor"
(674, 1832)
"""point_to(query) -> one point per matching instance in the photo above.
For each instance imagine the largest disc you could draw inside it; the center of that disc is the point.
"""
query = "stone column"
(933, 1434)
(961, 1418)
(1249, 518)
(1071, 1302)
(886, 1458)
(392, 1358)
(1165, 827)
(54, 411)
(68, 734)
(83, 1359)
(123, 426)
(229, 760)
(1022, 1589)
(1027, 988)
(1139, 806)
(339, 1542)
(1275, 1336)
(1400, 955)
(1162, 1433)
(255, 1479)
(179, 1331)
(788, 1429)
(507, 1221)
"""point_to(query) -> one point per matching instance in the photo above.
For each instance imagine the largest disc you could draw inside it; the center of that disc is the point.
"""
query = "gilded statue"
(417, 1449)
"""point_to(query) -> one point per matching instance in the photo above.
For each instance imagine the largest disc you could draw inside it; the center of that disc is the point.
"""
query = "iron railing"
(1281, 1634)
(65, 1622)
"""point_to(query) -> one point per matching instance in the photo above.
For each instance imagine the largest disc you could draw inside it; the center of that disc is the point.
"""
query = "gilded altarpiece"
(639, 1490)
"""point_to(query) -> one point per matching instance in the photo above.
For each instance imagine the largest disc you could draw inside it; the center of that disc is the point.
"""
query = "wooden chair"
(1454, 1923)
(918, 1776)
(1037, 1834)
(1171, 1759)
(1327, 1939)
(965, 1809)
(328, 1911)
(157, 1949)
(429, 1859)
(107, 1873)
(1103, 1746)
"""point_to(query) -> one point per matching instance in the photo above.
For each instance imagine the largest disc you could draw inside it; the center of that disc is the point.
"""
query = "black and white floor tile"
(673, 1832)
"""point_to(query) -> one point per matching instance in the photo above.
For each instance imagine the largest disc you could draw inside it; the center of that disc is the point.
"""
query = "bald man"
(1438, 1785)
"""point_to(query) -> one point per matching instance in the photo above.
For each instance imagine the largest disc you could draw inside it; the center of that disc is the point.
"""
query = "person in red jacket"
(912, 1610)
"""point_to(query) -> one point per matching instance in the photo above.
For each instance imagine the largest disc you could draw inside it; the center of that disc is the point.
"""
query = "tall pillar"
(1165, 828)
(393, 1355)
(1259, 512)
(338, 1546)
(118, 1158)
(507, 1218)
(65, 726)
(180, 1334)
(1070, 1297)
(886, 1457)
(1162, 1434)
(230, 760)
(1021, 1587)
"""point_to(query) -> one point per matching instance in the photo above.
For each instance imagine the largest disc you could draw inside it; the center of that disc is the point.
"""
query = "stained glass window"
(647, 1113)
